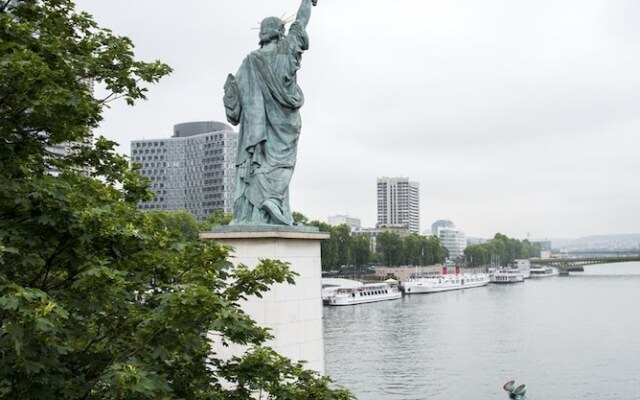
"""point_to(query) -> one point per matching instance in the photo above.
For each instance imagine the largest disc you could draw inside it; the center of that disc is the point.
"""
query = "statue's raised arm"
(304, 12)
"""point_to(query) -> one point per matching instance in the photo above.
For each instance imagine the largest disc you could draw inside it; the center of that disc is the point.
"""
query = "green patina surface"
(265, 228)
(264, 99)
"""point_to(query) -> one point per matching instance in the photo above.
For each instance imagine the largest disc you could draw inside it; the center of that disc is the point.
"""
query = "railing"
(573, 263)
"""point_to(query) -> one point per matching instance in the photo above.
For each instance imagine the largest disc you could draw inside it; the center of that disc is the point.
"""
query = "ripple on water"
(573, 337)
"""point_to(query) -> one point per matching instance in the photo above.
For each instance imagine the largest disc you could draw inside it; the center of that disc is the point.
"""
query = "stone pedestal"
(292, 312)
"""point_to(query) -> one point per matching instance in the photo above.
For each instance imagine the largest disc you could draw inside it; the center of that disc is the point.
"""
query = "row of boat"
(342, 292)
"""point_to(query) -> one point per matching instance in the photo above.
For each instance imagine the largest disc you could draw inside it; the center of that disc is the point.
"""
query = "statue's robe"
(264, 98)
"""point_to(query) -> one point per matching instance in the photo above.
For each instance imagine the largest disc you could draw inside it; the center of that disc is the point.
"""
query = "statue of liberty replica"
(265, 99)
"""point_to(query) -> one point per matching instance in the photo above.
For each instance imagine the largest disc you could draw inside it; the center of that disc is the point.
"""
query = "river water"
(575, 337)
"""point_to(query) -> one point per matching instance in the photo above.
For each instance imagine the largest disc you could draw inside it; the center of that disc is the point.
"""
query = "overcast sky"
(520, 117)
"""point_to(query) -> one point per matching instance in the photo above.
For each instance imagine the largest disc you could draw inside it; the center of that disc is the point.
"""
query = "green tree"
(50, 55)
(97, 299)
(329, 247)
(389, 246)
(179, 221)
(341, 234)
(501, 250)
(216, 218)
(361, 250)
(300, 218)
(530, 250)
(477, 254)
(414, 248)
(436, 253)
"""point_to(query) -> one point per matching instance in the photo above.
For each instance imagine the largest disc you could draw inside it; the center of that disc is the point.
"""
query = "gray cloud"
(514, 116)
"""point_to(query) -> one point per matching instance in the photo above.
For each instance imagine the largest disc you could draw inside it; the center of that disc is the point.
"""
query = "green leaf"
(9, 303)
(97, 299)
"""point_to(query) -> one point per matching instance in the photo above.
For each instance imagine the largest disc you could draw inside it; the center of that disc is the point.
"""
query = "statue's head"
(271, 28)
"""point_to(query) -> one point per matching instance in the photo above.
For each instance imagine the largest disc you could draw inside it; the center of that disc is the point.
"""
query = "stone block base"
(292, 312)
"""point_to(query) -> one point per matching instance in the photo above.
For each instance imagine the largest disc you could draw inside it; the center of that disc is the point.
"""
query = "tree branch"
(71, 276)
(49, 263)
(47, 266)
(4, 6)
(109, 98)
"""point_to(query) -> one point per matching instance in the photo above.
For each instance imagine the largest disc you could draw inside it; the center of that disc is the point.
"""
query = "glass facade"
(193, 171)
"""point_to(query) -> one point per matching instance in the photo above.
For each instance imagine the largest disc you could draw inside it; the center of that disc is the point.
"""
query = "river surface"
(575, 337)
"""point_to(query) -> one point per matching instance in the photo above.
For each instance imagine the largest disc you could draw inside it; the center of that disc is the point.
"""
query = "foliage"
(394, 250)
(299, 218)
(216, 218)
(361, 249)
(424, 250)
(51, 56)
(501, 250)
(182, 222)
(97, 299)
(390, 247)
(344, 248)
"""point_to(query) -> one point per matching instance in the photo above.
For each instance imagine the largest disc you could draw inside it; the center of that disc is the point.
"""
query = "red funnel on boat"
(457, 270)
(444, 270)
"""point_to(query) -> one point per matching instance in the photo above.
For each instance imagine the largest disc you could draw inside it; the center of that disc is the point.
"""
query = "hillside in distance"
(628, 241)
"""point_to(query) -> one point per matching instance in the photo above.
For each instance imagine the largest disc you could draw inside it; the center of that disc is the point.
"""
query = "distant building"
(453, 240)
(545, 248)
(400, 229)
(441, 223)
(352, 222)
(194, 170)
(398, 203)
(66, 149)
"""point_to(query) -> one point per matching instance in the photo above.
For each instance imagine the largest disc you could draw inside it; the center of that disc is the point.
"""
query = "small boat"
(506, 275)
(444, 282)
(367, 293)
(543, 272)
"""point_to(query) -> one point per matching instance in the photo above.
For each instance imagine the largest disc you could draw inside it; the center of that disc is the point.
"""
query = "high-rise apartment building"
(399, 203)
(193, 170)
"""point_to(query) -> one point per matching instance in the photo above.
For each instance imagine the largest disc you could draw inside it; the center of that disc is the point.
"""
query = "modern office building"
(399, 203)
(193, 170)
(352, 222)
(453, 240)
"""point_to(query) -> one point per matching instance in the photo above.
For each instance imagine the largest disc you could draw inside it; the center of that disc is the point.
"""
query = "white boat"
(368, 293)
(543, 272)
(506, 275)
(444, 282)
(330, 287)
